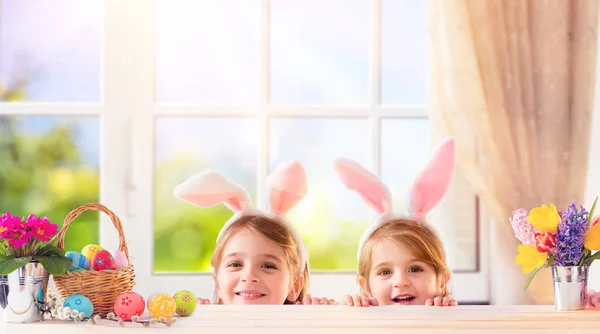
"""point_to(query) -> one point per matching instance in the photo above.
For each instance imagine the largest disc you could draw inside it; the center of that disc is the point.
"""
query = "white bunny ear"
(365, 183)
(287, 187)
(210, 188)
(433, 182)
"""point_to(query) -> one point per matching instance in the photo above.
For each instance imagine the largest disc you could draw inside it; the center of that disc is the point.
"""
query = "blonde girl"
(401, 259)
(259, 256)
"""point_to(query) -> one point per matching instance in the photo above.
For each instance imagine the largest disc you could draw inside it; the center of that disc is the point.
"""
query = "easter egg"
(151, 296)
(79, 261)
(120, 259)
(162, 305)
(128, 305)
(185, 302)
(80, 303)
(89, 251)
(102, 260)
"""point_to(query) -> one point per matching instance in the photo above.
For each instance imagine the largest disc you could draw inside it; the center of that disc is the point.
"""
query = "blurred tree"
(185, 236)
(43, 174)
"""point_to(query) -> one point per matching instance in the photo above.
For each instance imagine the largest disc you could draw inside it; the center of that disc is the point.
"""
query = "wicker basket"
(101, 287)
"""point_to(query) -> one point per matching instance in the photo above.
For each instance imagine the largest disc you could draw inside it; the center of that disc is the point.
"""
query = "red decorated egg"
(102, 260)
(128, 305)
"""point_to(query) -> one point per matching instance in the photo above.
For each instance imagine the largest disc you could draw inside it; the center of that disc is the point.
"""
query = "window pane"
(50, 167)
(185, 235)
(208, 51)
(331, 218)
(319, 52)
(405, 149)
(50, 50)
(405, 53)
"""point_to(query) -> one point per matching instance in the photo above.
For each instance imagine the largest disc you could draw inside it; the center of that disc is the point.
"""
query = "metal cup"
(22, 294)
(570, 287)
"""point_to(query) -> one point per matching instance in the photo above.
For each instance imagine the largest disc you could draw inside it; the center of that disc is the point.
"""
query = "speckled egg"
(80, 303)
(102, 260)
(162, 305)
(185, 301)
(79, 261)
(120, 259)
(128, 305)
(90, 250)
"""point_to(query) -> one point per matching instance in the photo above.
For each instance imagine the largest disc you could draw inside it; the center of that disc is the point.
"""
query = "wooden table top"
(344, 319)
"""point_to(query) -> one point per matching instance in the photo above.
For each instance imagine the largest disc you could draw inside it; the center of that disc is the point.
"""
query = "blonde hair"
(421, 243)
(274, 231)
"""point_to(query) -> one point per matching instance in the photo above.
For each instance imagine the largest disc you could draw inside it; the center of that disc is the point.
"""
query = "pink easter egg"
(102, 260)
(129, 304)
(120, 259)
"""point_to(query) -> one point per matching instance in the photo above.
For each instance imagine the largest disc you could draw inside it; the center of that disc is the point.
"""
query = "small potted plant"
(27, 253)
(566, 241)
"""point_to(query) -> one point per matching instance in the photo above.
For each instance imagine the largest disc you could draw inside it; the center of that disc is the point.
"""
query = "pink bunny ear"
(365, 183)
(287, 186)
(433, 182)
(210, 188)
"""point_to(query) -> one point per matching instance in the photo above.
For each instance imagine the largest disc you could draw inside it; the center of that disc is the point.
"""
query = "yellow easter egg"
(162, 305)
(89, 251)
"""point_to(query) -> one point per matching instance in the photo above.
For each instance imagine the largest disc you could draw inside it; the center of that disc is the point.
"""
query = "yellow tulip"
(591, 240)
(545, 219)
(529, 258)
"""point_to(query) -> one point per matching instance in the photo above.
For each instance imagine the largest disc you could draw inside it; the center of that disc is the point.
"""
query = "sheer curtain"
(513, 82)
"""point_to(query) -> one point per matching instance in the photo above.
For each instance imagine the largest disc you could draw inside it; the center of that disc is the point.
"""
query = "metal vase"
(570, 287)
(22, 294)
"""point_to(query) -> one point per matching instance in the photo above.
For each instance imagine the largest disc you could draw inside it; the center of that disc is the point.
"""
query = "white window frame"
(127, 111)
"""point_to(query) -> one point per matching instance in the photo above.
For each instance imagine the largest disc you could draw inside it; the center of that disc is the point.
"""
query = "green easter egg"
(185, 302)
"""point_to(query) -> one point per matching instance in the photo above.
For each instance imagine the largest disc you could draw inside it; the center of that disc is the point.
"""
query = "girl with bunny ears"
(259, 257)
(401, 259)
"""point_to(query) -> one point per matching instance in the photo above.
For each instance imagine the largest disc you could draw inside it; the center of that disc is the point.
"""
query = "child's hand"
(357, 300)
(202, 301)
(441, 301)
(593, 300)
(308, 300)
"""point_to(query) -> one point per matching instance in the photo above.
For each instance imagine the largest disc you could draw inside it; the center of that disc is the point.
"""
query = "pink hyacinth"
(40, 228)
(523, 230)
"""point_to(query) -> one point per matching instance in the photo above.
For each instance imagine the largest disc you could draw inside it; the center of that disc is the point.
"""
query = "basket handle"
(98, 207)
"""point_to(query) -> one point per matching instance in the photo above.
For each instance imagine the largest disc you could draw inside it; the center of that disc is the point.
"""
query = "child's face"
(253, 270)
(397, 277)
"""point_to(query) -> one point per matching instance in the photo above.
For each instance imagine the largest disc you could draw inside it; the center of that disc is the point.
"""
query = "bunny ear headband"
(427, 191)
(287, 186)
